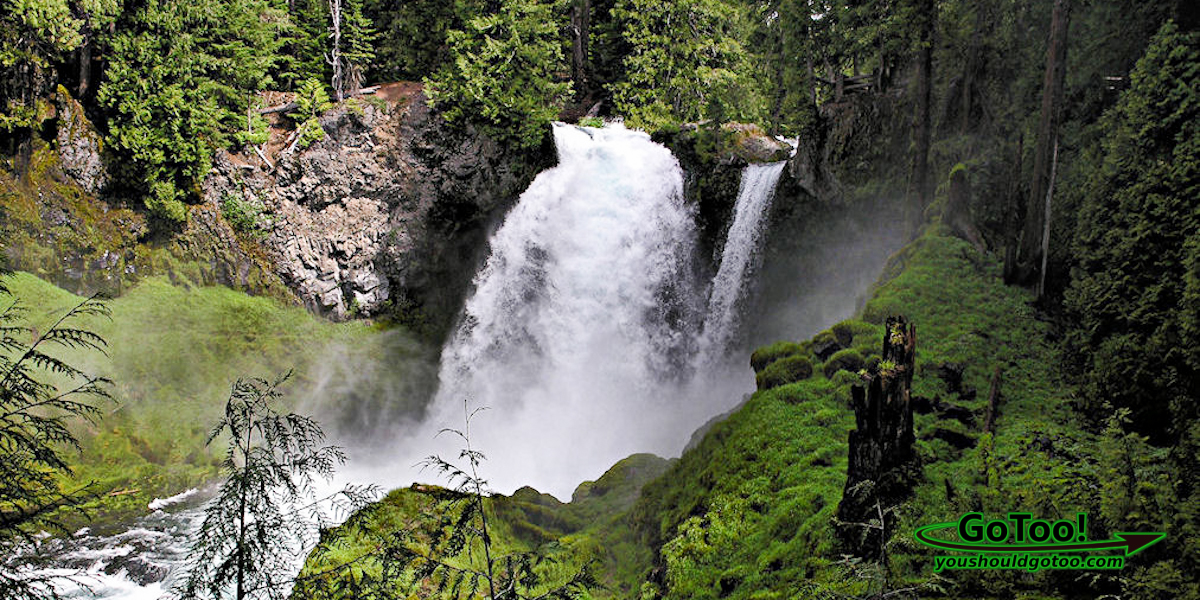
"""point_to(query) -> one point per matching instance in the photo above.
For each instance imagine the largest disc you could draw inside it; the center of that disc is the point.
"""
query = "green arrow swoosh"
(1131, 542)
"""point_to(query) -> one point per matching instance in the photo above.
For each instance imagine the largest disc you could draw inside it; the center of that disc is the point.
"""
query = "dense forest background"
(1059, 137)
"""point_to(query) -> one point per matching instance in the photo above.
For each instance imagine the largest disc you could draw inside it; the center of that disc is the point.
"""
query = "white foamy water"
(739, 260)
(131, 565)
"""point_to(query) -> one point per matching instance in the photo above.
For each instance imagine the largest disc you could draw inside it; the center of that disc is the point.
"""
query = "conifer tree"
(686, 63)
(504, 72)
(267, 511)
(177, 87)
(40, 395)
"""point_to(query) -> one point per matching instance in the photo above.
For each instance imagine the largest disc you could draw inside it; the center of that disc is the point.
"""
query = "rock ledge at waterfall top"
(738, 144)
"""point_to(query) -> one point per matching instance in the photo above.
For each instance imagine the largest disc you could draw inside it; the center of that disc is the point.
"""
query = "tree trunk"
(85, 68)
(580, 24)
(1041, 287)
(812, 76)
(1011, 231)
(1052, 91)
(922, 128)
(335, 57)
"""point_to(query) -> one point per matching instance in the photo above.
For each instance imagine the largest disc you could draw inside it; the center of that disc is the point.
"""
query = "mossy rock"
(766, 355)
(844, 360)
(872, 362)
(825, 344)
(784, 371)
(852, 331)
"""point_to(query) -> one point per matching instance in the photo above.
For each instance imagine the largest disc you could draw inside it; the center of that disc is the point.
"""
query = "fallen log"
(290, 106)
(278, 109)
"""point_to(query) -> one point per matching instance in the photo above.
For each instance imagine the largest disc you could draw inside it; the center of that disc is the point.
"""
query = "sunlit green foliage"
(504, 73)
(312, 101)
(34, 35)
(177, 86)
(686, 63)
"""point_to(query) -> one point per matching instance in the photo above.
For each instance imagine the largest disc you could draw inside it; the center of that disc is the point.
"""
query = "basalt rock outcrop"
(389, 212)
(79, 144)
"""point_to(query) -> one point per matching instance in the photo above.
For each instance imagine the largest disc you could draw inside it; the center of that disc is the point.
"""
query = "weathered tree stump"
(883, 465)
(957, 215)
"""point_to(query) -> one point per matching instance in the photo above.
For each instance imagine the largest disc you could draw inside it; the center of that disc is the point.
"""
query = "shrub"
(784, 371)
(241, 214)
(312, 100)
(769, 354)
(844, 360)
(591, 122)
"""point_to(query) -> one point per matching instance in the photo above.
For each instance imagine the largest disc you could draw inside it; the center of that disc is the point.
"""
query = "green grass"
(173, 353)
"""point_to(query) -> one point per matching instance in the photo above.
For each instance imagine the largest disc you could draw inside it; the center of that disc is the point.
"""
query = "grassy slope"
(748, 513)
(592, 528)
(173, 353)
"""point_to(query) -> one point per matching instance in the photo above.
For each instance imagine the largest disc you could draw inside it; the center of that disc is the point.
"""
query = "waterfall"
(580, 335)
(739, 260)
(581, 321)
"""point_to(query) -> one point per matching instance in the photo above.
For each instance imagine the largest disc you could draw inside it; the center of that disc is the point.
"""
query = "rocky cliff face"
(389, 212)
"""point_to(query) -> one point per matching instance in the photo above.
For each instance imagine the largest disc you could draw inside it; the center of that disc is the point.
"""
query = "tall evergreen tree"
(686, 63)
(177, 85)
(505, 72)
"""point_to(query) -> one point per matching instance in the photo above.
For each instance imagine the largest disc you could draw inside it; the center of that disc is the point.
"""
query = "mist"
(819, 263)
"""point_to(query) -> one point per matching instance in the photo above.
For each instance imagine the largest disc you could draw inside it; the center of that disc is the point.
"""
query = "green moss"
(747, 513)
(769, 354)
(848, 359)
(749, 508)
(784, 371)
(856, 333)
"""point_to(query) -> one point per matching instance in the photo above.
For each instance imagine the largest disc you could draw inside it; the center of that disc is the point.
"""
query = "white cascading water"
(739, 260)
(578, 331)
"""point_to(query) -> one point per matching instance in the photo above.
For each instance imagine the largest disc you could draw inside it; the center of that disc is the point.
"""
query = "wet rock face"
(713, 159)
(390, 208)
